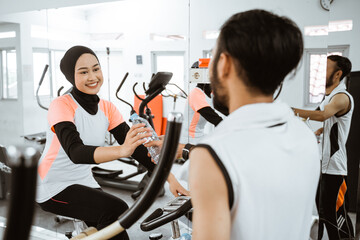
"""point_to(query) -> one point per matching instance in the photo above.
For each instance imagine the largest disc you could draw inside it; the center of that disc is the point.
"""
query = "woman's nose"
(92, 75)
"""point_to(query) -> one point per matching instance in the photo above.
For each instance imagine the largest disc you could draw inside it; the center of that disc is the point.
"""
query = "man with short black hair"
(335, 111)
(255, 176)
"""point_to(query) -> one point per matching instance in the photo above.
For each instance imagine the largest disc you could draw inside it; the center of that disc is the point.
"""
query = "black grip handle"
(157, 219)
(43, 74)
(159, 175)
(59, 91)
(122, 82)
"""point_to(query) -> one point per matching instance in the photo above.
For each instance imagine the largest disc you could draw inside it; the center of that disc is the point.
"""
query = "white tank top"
(56, 171)
(335, 134)
(271, 163)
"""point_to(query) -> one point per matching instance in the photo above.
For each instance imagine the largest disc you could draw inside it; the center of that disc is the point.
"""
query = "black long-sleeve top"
(78, 152)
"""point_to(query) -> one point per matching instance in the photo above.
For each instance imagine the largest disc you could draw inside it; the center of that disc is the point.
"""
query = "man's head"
(337, 68)
(263, 48)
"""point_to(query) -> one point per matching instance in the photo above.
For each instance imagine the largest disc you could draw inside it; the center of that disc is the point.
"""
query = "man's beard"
(221, 98)
(330, 80)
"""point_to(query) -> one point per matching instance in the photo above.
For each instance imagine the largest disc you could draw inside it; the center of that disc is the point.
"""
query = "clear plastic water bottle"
(154, 151)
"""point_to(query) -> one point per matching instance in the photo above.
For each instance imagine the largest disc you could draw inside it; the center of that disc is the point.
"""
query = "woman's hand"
(175, 187)
(134, 138)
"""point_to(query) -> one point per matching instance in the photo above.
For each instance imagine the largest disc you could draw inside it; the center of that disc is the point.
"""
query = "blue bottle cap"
(134, 116)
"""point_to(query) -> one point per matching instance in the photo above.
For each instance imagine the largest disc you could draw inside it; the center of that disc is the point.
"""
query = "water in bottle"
(154, 151)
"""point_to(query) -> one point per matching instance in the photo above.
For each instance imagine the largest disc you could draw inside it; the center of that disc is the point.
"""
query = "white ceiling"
(15, 6)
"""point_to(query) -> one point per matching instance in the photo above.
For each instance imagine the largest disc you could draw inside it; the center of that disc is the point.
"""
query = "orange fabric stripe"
(49, 158)
(197, 99)
(71, 101)
(61, 109)
(341, 195)
(193, 124)
(112, 113)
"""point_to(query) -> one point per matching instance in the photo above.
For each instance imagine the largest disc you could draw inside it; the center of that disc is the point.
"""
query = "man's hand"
(175, 187)
(156, 143)
(319, 131)
(160, 142)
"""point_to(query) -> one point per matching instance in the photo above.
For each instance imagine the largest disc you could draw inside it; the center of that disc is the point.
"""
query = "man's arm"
(209, 196)
(338, 104)
(210, 115)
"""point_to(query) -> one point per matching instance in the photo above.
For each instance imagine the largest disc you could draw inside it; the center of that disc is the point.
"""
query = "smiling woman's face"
(88, 74)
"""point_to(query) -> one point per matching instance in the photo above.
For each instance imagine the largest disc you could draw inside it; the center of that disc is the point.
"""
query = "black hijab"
(67, 66)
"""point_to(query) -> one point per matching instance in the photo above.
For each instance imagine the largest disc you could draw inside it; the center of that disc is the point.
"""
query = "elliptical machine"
(40, 138)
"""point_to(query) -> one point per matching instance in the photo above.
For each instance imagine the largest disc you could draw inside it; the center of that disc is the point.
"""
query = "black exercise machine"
(157, 180)
(173, 210)
(113, 178)
(23, 161)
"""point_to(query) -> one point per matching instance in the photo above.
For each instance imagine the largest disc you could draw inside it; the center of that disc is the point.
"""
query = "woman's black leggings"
(93, 206)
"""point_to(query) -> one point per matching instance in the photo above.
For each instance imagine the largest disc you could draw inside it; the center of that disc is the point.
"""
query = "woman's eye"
(96, 69)
(85, 72)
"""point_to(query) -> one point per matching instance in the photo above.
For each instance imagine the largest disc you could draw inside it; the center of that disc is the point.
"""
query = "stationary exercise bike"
(112, 178)
(23, 162)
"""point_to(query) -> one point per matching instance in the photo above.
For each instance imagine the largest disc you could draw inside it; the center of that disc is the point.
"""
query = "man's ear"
(338, 74)
(224, 66)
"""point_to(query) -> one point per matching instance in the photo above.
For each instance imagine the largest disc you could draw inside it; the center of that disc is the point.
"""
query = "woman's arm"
(210, 115)
(140, 154)
(79, 153)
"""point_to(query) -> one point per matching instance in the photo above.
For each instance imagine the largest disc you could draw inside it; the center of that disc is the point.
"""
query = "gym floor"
(46, 228)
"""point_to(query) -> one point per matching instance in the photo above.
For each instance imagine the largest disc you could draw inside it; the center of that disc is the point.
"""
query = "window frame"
(154, 54)
(307, 54)
(2, 95)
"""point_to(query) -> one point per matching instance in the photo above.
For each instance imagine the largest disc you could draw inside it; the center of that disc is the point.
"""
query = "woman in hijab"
(77, 125)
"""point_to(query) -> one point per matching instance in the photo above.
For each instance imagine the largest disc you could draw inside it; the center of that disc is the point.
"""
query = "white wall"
(23, 116)
(15, 6)
(157, 16)
(347, 10)
(11, 110)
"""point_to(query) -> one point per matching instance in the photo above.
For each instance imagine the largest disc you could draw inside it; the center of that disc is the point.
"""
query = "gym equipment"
(169, 93)
(174, 209)
(200, 73)
(112, 178)
(23, 161)
(4, 174)
(79, 225)
(40, 138)
(157, 180)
